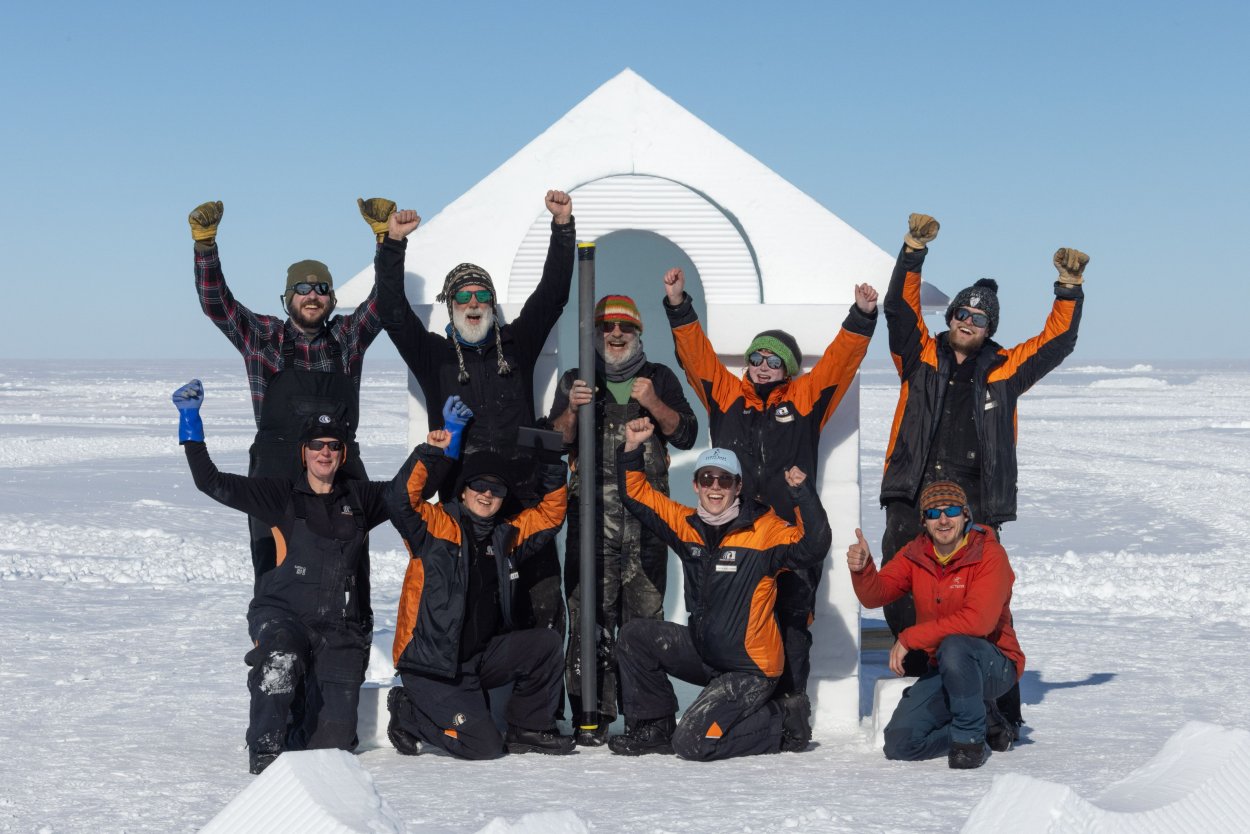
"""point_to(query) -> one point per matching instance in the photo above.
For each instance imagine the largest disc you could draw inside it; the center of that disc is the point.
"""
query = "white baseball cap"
(721, 459)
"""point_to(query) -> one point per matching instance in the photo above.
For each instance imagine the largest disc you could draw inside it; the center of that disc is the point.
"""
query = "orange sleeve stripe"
(547, 515)
(669, 511)
(701, 364)
(409, 605)
(911, 295)
(1058, 323)
(762, 640)
(903, 393)
(835, 369)
(279, 543)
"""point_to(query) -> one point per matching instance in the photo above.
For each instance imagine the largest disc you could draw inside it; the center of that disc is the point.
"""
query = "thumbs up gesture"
(858, 556)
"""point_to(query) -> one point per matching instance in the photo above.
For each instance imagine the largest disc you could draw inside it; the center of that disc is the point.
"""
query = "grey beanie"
(983, 296)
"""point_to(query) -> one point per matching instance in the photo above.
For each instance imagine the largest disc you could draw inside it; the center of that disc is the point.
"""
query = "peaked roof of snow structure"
(634, 159)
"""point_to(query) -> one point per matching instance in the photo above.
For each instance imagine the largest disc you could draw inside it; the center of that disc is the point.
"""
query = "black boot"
(1000, 733)
(653, 735)
(968, 756)
(796, 722)
(592, 731)
(550, 741)
(404, 742)
(258, 760)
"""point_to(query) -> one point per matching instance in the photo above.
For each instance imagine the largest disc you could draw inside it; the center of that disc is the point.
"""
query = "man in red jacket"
(961, 581)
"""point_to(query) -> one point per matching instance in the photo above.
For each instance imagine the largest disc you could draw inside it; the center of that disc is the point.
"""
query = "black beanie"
(983, 296)
(324, 425)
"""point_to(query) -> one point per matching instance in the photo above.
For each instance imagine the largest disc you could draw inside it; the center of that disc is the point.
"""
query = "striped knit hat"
(618, 308)
(944, 494)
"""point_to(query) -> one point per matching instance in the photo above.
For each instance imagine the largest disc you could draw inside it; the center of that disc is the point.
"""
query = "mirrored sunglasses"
(978, 319)
(490, 485)
(937, 512)
(774, 361)
(625, 326)
(318, 445)
(724, 480)
(305, 287)
(464, 296)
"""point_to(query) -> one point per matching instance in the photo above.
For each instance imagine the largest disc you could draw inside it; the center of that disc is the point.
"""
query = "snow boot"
(550, 741)
(645, 736)
(968, 756)
(1000, 733)
(796, 722)
(404, 742)
(594, 731)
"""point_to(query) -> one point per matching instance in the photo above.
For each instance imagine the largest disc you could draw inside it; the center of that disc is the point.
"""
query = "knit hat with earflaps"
(462, 276)
(983, 296)
(781, 343)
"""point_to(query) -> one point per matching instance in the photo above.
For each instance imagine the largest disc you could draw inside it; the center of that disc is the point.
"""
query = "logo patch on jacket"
(300, 570)
(347, 510)
(728, 562)
(990, 402)
(783, 414)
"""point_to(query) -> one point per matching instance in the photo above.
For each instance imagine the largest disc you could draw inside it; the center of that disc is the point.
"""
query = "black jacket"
(501, 403)
(432, 604)
(301, 583)
(1001, 375)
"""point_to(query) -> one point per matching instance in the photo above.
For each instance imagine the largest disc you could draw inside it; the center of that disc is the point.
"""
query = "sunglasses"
(707, 480)
(304, 288)
(464, 296)
(626, 327)
(318, 445)
(774, 361)
(937, 512)
(978, 319)
(484, 485)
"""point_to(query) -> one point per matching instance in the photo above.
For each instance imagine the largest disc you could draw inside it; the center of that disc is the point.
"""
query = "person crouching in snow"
(308, 621)
(454, 637)
(960, 578)
(731, 552)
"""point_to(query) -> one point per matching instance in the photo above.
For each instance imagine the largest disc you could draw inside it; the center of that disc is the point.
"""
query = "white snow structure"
(764, 253)
(309, 792)
(1197, 783)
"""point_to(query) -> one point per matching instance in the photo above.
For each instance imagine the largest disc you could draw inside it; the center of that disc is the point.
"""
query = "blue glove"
(456, 415)
(188, 399)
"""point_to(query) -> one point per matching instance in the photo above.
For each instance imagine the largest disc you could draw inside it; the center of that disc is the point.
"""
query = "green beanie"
(781, 343)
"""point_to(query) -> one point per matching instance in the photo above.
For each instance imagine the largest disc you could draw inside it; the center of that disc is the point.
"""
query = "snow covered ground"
(122, 689)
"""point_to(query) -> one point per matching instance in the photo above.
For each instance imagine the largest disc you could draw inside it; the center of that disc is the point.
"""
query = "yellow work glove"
(1071, 264)
(921, 230)
(204, 219)
(376, 211)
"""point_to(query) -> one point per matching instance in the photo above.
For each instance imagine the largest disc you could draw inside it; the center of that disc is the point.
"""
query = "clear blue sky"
(1118, 129)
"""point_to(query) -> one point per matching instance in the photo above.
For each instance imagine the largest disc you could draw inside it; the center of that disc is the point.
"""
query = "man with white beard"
(489, 364)
(632, 561)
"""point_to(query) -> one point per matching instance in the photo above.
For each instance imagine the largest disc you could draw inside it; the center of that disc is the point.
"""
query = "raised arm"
(240, 325)
(542, 309)
(1029, 361)
(416, 345)
(713, 383)
(813, 545)
(909, 337)
(654, 510)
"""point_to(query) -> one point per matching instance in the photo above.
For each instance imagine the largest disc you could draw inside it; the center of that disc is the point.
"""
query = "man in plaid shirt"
(304, 364)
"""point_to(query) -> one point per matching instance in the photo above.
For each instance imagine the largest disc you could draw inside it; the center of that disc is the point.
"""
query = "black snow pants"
(453, 714)
(732, 716)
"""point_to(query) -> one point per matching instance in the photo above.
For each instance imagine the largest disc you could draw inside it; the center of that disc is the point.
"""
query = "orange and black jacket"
(970, 594)
(731, 586)
(769, 428)
(432, 604)
(924, 364)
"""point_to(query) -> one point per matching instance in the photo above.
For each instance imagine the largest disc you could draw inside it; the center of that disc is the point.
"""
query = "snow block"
(310, 792)
(539, 822)
(1199, 781)
(885, 697)
(372, 715)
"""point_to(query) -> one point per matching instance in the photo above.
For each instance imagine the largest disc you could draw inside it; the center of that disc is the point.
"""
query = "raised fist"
(921, 230)
(439, 437)
(376, 211)
(402, 223)
(1071, 265)
(795, 476)
(560, 205)
(865, 298)
(674, 286)
(637, 432)
(204, 219)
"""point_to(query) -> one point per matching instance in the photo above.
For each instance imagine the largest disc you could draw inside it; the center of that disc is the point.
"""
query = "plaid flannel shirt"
(260, 338)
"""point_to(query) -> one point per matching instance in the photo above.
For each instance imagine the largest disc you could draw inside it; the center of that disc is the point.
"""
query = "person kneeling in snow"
(731, 552)
(961, 581)
(454, 637)
(307, 620)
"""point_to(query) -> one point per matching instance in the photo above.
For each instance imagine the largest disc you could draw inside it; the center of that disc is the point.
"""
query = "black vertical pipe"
(587, 468)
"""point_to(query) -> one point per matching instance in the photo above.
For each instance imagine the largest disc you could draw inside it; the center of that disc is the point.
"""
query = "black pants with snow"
(452, 713)
(796, 606)
(732, 716)
(304, 685)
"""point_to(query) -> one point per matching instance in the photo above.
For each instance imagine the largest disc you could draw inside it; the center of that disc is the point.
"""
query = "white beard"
(474, 333)
(632, 350)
